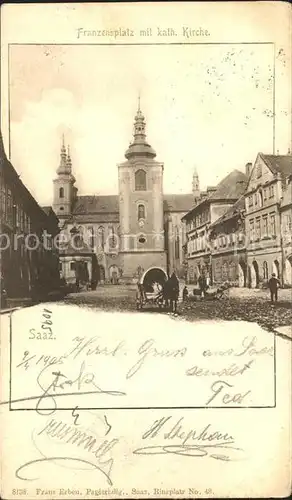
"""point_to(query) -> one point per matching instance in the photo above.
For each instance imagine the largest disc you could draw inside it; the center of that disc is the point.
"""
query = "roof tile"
(281, 164)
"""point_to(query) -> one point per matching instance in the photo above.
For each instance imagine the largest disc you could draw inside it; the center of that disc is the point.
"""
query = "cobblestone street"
(237, 304)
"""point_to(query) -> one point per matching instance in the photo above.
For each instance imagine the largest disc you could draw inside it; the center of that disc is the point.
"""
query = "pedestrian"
(93, 284)
(273, 284)
(174, 292)
(202, 285)
(185, 293)
(207, 282)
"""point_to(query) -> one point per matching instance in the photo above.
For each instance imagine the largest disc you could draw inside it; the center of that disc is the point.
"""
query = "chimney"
(248, 168)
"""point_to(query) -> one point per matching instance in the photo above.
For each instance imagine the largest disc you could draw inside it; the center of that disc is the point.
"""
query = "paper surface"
(138, 405)
(105, 409)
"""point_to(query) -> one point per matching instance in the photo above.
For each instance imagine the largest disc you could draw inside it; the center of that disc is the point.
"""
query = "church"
(115, 238)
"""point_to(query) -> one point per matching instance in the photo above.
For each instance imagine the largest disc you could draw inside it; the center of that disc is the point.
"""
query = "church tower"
(142, 242)
(196, 185)
(64, 189)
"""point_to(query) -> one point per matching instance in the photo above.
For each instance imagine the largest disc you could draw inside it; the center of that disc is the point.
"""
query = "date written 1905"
(46, 332)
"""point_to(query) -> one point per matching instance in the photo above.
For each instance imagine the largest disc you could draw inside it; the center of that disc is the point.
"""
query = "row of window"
(258, 198)
(97, 239)
(198, 220)
(12, 213)
(262, 227)
(197, 244)
(226, 240)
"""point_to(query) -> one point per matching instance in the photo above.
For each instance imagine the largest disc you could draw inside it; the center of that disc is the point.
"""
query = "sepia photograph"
(144, 199)
(146, 252)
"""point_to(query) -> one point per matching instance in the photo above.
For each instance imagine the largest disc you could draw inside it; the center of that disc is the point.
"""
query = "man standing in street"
(273, 284)
(202, 285)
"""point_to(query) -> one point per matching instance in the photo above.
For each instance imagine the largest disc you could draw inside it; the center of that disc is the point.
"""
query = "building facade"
(29, 261)
(267, 210)
(127, 233)
(210, 207)
(251, 238)
(227, 242)
(286, 231)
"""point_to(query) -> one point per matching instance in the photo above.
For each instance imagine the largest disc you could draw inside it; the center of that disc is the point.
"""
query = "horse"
(171, 293)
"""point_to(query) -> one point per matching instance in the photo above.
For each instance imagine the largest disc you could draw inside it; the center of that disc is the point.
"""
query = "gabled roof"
(229, 189)
(96, 204)
(278, 164)
(108, 205)
(231, 212)
(178, 202)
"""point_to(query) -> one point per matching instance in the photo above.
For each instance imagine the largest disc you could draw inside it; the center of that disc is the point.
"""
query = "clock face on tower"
(141, 223)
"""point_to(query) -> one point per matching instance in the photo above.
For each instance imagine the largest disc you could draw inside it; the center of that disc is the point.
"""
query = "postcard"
(146, 250)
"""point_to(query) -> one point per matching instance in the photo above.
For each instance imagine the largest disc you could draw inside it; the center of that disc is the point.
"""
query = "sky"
(208, 107)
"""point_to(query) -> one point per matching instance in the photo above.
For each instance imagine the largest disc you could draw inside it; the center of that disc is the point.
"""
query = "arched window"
(112, 238)
(76, 241)
(91, 237)
(140, 180)
(101, 236)
(141, 212)
(61, 193)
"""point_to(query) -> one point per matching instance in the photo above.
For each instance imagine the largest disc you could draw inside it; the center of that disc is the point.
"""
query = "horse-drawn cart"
(157, 290)
(150, 290)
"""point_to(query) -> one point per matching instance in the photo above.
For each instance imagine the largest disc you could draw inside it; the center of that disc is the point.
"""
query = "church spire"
(196, 184)
(64, 190)
(139, 124)
(139, 146)
(62, 169)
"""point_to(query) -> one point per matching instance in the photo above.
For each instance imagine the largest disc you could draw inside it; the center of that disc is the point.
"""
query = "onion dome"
(139, 147)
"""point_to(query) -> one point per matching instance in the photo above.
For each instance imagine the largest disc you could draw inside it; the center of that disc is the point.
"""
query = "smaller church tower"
(196, 185)
(64, 189)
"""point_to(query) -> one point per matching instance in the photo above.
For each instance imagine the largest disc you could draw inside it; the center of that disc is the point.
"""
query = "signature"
(61, 381)
(191, 450)
(208, 441)
(76, 437)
